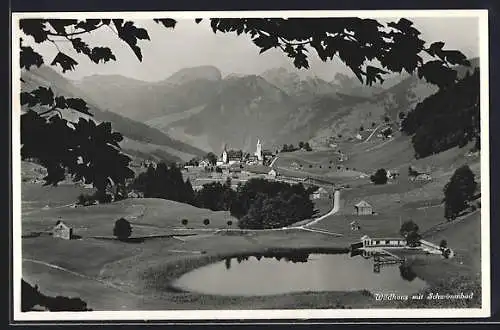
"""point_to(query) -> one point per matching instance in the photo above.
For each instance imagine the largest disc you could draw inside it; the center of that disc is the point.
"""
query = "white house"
(320, 193)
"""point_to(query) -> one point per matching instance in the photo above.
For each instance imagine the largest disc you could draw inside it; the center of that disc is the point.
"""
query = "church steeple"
(258, 150)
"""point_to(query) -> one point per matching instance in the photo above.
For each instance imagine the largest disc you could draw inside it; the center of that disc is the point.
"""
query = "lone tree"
(357, 42)
(443, 244)
(380, 177)
(409, 230)
(206, 222)
(458, 192)
(212, 158)
(229, 223)
(122, 229)
(184, 222)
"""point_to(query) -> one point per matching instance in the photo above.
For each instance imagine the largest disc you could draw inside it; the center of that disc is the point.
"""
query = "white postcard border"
(300, 314)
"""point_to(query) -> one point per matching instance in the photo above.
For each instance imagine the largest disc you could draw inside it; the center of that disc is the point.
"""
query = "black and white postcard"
(250, 165)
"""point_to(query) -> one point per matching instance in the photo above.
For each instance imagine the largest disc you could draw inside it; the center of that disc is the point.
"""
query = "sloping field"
(148, 216)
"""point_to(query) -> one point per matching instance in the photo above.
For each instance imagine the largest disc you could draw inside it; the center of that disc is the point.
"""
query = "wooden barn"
(363, 208)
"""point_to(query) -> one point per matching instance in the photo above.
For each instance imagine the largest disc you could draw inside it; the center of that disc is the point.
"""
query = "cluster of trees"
(291, 147)
(447, 119)
(262, 204)
(210, 157)
(215, 196)
(164, 181)
(459, 192)
(380, 176)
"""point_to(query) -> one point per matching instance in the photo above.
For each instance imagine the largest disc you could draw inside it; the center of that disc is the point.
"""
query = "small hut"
(363, 208)
(61, 230)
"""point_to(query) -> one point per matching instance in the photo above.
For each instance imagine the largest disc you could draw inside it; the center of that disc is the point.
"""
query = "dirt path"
(335, 209)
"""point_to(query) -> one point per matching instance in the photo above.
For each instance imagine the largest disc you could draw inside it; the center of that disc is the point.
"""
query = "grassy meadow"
(115, 275)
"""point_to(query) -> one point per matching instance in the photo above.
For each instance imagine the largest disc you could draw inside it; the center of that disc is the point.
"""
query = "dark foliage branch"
(446, 119)
(87, 151)
(357, 42)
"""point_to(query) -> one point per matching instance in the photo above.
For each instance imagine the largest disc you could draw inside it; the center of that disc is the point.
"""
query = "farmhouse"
(382, 242)
(272, 173)
(60, 230)
(319, 193)
(363, 208)
(204, 163)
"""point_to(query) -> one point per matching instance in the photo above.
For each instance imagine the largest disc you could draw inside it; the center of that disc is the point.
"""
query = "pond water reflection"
(298, 272)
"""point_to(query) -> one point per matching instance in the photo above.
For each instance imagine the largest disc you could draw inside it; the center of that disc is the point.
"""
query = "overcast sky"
(191, 44)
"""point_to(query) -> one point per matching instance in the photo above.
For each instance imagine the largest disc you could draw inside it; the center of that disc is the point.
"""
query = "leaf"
(435, 48)
(437, 73)
(66, 62)
(129, 33)
(59, 25)
(35, 28)
(88, 24)
(80, 46)
(60, 102)
(167, 22)
(29, 58)
(101, 54)
(44, 95)
(455, 57)
(265, 42)
(29, 99)
(78, 105)
(300, 61)
(137, 51)
(373, 74)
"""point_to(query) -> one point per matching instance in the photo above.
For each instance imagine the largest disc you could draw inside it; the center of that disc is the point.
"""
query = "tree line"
(290, 147)
(258, 203)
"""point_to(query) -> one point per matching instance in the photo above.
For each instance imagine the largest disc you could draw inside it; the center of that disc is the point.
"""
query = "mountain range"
(206, 111)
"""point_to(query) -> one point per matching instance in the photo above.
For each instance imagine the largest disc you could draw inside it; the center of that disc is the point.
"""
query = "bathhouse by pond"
(258, 275)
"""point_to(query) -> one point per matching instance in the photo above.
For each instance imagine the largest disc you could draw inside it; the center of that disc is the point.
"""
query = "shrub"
(122, 229)
(413, 239)
(86, 200)
(408, 227)
(229, 223)
(443, 244)
(380, 177)
(184, 222)
(206, 222)
(407, 273)
(409, 230)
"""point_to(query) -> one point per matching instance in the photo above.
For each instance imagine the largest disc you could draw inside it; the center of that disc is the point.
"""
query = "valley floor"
(114, 275)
